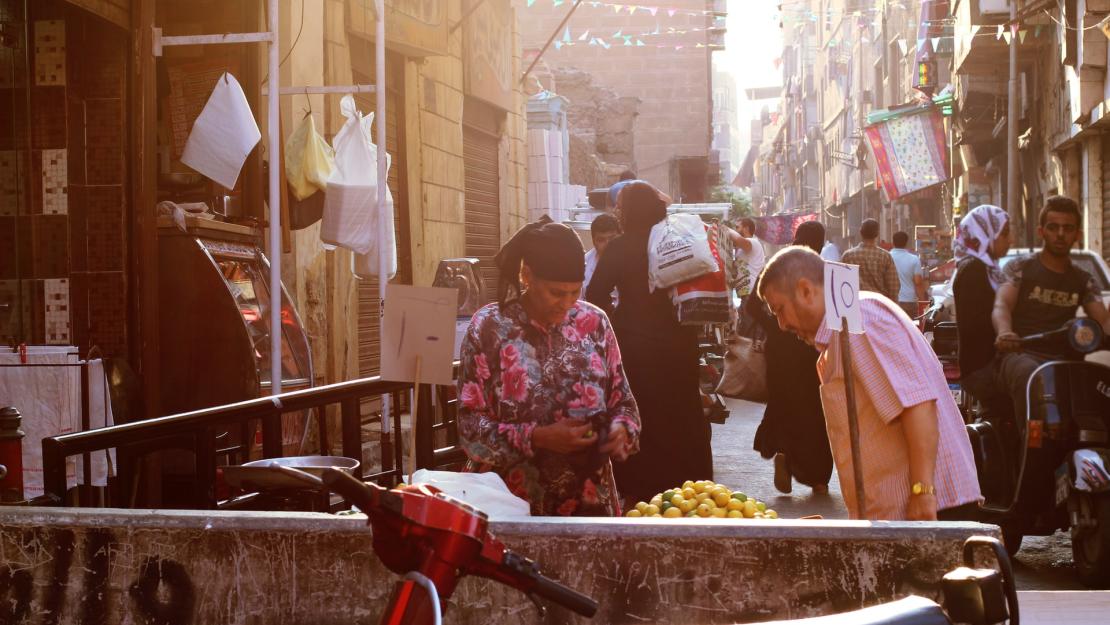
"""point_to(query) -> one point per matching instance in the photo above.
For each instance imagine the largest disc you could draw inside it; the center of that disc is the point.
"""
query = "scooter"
(1047, 470)
(434, 540)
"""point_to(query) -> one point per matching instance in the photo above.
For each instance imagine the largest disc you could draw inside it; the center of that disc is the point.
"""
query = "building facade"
(662, 57)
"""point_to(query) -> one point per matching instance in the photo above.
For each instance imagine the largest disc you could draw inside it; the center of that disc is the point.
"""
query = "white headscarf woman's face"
(976, 236)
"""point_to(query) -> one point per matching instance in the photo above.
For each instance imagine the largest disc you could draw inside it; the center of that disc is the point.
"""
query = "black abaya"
(661, 360)
(794, 422)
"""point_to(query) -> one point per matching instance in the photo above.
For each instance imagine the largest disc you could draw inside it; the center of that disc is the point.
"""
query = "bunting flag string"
(631, 9)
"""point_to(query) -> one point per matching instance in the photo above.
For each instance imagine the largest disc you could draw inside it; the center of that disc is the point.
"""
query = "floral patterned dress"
(516, 375)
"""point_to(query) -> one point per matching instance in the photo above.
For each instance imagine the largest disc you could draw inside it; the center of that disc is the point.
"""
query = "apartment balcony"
(977, 47)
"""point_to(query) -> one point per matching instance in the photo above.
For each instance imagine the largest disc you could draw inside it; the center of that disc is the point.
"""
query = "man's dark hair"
(748, 223)
(628, 174)
(791, 264)
(1060, 204)
(901, 239)
(869, 230)
(604, 223)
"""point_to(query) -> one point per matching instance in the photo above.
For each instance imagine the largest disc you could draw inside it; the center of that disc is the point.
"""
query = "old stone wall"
(602, 127)
(182, 567)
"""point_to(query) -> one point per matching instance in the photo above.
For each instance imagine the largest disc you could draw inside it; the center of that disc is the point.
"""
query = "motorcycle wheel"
(1090, 547)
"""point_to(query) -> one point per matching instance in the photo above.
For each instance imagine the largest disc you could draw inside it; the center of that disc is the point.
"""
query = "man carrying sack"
(915, 456)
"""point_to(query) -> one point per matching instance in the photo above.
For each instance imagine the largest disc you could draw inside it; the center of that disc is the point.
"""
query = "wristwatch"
(921, 488)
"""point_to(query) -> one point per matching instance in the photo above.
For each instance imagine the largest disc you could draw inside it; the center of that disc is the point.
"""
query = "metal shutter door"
(482, 204)
(369, 339)
(1106, 197)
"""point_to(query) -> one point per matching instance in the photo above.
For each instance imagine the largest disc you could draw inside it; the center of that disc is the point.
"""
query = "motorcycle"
(1047, 470)
(434, 540)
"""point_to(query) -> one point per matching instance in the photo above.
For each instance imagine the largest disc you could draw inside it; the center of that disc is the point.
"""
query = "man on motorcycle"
(1041, 292)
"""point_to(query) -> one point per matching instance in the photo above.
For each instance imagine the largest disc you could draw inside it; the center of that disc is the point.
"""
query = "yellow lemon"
(759, 505)
(699, 487)
(635, 514)
(720, 513)
(704, 510)
(771, 514)
(734, 505)
(691, 514)
(701, 497)
(677, 499)
(640, 505)
(687, 484)
(735, 514)
(688, 505)
(672, 513)
(667, 495)
(656, 501)
(749, 509)
(651, 510)
(721, 499)
(688, 493)
(655, 515)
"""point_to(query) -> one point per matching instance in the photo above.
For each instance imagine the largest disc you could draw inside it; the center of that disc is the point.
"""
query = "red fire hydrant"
(11, 456)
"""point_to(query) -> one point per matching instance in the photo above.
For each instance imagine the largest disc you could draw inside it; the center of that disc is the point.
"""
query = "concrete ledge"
(156, 566)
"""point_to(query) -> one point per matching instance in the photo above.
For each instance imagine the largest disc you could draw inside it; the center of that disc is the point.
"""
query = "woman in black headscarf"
(660, 355)
(543, 400)
(793, 427)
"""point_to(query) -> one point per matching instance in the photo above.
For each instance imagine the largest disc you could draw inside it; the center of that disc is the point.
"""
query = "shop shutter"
(369, 339)
(1106, 197)
(482, 204)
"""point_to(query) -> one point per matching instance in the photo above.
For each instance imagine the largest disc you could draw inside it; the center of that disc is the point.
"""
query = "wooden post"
(414, 419)
(853, 420)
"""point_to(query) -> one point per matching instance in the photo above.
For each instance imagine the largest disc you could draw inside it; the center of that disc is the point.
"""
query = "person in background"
(911, 277)
(981, 239)
(831, 251)
(626, 177)
(793, 427)
(603, 229)
(750, 255)
(915, 454)
(1042, 292)
(877, 271)
(543, 398)
(660, 356)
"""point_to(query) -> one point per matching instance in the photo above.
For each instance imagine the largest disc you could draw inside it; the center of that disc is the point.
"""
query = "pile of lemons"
(702, 499)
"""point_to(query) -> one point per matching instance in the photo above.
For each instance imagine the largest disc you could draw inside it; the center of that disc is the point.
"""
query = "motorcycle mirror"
(1084, 335)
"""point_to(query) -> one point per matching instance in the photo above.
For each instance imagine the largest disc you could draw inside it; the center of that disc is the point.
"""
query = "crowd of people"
(580, 387)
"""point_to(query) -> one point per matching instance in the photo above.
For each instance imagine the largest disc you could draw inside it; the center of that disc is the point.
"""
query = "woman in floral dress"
(543, 397)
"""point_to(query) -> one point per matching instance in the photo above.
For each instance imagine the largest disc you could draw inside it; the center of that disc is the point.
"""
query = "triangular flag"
(558, 44)
(678, 47)
(593, 42)
(618, 33)
(920, 45)
(1021, 35)
(975, 30)
(700, 45)
(653, 11)
(530, 3)
(617, 8)
(584, 36)
(670, 13)
(1000, 31)
(1013, 28)
(628, 40)
(901, 46)
(639, 43)
(936, 43)
(558, 2)
(603, 44)
(1006, 36)
(566, 34)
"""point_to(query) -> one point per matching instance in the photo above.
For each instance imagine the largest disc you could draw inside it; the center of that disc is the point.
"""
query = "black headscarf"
(810, 234)
(641, 206)
(552, 251)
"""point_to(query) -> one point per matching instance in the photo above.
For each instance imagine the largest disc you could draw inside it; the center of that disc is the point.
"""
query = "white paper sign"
(419, 321)
(842, 296)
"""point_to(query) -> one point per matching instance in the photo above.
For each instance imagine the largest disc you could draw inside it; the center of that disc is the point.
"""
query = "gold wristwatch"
(921, 488)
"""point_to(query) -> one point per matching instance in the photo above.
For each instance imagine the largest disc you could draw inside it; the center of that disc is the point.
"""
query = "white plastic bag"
(485, 491)
(366, 265)
(350, 209)
(223, 134)
(678, 250)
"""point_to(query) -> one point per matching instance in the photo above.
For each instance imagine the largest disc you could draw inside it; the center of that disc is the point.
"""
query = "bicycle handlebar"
(499, 564)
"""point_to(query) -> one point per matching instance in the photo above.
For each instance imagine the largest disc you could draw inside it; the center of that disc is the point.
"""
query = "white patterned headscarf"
(977, 230)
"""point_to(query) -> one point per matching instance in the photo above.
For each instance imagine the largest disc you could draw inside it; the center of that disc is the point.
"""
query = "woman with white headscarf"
(982, 237)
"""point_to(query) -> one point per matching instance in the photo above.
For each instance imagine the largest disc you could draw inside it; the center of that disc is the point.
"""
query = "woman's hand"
(618, 443)
(563, 437)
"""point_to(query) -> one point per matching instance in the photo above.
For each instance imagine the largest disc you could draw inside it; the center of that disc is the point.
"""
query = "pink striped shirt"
(894, 369)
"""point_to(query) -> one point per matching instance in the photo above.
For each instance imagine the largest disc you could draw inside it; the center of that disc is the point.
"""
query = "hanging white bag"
(350, 207)
(678, 250)
(366, 265)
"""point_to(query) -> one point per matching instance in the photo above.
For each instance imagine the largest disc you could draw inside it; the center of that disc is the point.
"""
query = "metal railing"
(197, 431)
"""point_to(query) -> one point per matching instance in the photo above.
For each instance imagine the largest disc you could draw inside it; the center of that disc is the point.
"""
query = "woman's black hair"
(641, 206)
(552, 251)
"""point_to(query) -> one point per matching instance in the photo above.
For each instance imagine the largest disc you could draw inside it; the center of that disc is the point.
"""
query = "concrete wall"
(113, 566)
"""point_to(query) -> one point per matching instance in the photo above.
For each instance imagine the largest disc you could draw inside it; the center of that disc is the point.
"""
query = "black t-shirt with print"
(1047, 299)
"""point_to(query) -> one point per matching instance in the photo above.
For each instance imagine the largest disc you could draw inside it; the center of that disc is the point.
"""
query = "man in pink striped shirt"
(914, 451)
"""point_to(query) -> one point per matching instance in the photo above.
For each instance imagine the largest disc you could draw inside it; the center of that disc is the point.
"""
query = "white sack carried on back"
(350, 208)
(678, 250)
(223, 134)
